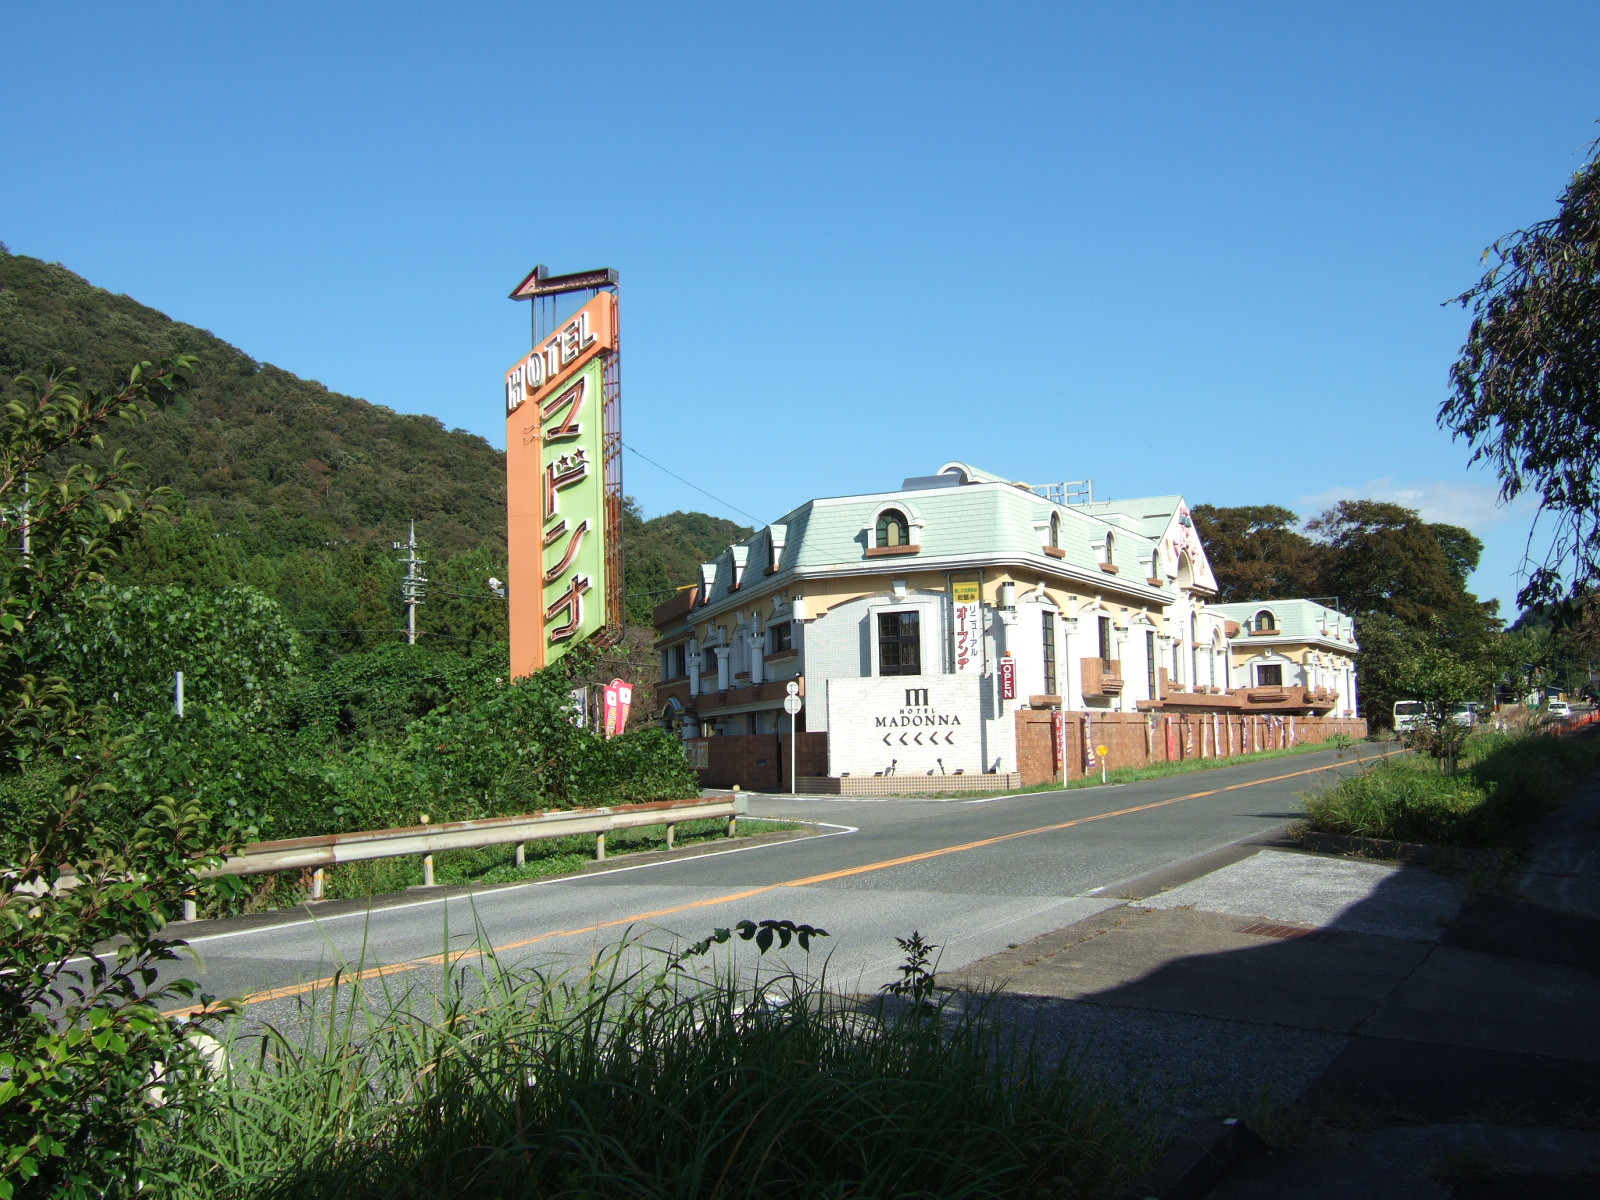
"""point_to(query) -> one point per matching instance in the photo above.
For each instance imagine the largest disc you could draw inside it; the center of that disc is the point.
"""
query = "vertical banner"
(1149, 739)
(1008, 678)
(1188, 737)
(967, 625)
(1172, 739)
(561, 421)
(608, 708)
(619, 699)
(1090, 762)
(1293, 736)
(1058, 728)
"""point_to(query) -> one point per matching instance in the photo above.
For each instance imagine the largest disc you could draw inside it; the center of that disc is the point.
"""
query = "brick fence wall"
(1138, 739)
(759, 762)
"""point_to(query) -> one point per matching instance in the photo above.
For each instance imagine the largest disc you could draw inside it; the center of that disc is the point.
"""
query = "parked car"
(1558, 710)
(1466, 714)
(1407, 716)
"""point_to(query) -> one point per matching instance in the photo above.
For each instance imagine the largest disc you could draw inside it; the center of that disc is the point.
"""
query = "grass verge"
(492, 864)
(618, 1081)
(1505, 780)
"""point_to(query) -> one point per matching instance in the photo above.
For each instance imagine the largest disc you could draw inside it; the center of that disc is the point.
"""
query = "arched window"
(893, 528)
(1265, 621)
(1055, 531)
(1110, 556)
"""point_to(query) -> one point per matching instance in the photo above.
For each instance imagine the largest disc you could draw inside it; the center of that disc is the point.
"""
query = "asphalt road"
(972, 876)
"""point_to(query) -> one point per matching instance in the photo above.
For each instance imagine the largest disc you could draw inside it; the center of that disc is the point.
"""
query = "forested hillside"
(280, 461)
(298, 490)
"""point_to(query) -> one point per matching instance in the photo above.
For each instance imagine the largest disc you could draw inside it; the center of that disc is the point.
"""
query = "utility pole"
(412, 588)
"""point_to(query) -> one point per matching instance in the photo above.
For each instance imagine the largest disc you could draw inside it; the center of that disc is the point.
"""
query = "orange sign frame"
(590, 332)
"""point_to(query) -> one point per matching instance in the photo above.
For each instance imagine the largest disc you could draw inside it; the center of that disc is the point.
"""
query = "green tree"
(1383, 558)
(1525, 391)
(462, 612)
(1257, 552)
(81, 1034)
(1441, 680)
(187, 550)
(232, 644)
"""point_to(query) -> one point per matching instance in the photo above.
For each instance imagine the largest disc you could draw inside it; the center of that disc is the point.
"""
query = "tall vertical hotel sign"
(564, 494)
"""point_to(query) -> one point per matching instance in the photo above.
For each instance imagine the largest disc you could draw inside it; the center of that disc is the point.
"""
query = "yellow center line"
(435, 960)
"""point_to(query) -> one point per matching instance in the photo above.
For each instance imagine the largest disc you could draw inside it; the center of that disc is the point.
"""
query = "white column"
(758, 651)
(723, 667)
(695, 662)
(1119, 642)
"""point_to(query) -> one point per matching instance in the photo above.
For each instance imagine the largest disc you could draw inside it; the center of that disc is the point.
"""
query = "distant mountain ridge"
(269, 453)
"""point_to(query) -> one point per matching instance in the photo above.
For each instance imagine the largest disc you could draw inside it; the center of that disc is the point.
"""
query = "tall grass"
(628, 1081)
(1505, 781)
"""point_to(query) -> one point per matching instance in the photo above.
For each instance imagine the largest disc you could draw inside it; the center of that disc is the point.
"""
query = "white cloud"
(1453, 502)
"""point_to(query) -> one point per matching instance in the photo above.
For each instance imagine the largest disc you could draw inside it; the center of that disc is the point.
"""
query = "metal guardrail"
(292, 854)
(327, 850)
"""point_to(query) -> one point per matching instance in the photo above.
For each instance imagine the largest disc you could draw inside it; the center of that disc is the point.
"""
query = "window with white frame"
(899, 643)
(893, 528)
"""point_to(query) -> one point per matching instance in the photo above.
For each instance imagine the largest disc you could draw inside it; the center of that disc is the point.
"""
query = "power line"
(695, 486)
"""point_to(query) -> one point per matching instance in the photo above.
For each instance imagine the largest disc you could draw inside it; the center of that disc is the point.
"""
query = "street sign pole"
(792, 705)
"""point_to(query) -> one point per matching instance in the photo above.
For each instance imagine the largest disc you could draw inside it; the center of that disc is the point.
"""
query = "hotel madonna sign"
(561, 426)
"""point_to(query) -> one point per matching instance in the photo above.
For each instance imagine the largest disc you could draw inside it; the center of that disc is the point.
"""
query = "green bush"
(489, 749)
(1409, 801)
(1506, 781)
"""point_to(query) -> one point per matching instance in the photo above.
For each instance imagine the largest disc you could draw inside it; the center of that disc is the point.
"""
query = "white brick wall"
(908, 724)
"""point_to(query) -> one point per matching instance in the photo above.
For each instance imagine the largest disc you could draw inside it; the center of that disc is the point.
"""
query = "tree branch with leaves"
(1525, 391)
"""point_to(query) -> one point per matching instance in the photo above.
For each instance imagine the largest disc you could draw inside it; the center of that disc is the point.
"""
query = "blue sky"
(1170, 247)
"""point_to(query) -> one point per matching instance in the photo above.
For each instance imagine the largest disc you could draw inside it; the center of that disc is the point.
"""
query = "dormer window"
(1266, 622)
(893, 528)
(776, 536)
(1108, 553)
(1052, 537)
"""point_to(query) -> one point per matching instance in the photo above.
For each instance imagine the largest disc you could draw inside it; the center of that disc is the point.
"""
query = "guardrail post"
(669, 835)
(319, 880)
(733, 826)
(427, 862)
(599, 847)
(522, 854)
(190, 911)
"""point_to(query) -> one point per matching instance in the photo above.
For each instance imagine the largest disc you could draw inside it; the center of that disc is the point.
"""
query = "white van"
(1407, 715)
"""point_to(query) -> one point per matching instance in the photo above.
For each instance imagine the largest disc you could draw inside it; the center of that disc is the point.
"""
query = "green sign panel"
(572, 476)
